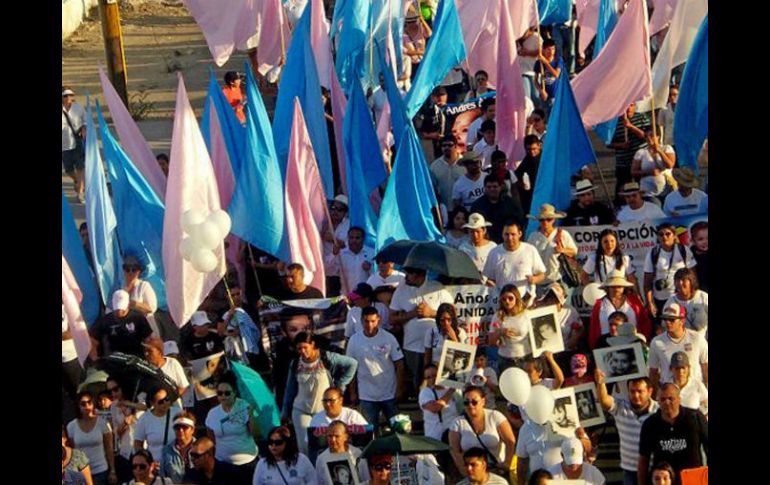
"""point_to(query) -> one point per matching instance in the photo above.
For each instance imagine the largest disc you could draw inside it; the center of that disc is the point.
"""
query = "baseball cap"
(680, 359)
(67, 92)
(120, 300)
(572, 449)
(673, 311)
(200, 319)
(170, 348)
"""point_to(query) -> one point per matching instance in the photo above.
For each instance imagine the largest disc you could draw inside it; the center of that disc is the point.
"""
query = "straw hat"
(630, 188)
(476, 221)
(470, 156)
(583, 186)
(685, 177)
(616, 278)
(547, 211)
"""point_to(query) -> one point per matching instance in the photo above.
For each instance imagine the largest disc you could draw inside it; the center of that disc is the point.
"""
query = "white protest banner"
(476, 306)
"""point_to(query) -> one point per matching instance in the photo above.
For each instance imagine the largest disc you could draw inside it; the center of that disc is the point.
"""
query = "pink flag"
(587, 19)
(620, 74)
(523, 15)
(383, 128)
(225, 24)
(478, 21)
(131, 139)
(274, 26)
(319, 41)
(662, 15)
(191, 185)
(511, 116)
(71, 296)
(304, 196)
(338, 112)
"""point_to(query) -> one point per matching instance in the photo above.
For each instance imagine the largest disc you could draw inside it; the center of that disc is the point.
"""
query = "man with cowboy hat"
(497, 207)
(470, 186)
(636, 208)
(585, 210)
(550, 242)
(687, 199)
(478, 246)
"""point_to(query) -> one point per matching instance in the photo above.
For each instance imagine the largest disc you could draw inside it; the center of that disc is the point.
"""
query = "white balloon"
(206, 235)
(222, 220)
(593, 292)
(515, 385)
(204, 260)
(192, 218)
(539, 406)
(187, 247)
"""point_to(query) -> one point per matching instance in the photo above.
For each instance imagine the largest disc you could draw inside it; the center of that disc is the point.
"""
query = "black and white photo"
(455, 363)
(589, 409)
(622, 362)
(340, 470)
(564, 419)
(545, 331)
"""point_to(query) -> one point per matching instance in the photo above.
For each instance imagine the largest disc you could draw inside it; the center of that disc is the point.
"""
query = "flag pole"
(256, 276)
(227, 289)
(539, 46)
(606, 188)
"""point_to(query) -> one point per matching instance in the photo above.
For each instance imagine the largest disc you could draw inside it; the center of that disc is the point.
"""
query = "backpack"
(656, 254)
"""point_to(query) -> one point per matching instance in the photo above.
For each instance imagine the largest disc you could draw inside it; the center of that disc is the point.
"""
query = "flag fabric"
(300, 79)
(73, 251)
(254, 390)
(131, 139)
(687, 19)
(102, 224)
(225, 24)
(409, 197)
(352, 40)
(587, 18)
(259, 184)
(566, 148)
(303, 195)
(138, 211)
(512, 118)
(386, 29)
(444, 51)
(523, 15)
(191, 185)
(71, 299)
(479, 22)
(554, 11)
(274, 35)
(319, 41)
(662, 15)
(691, 118)
(398, 117)
(620, 74)
(366, 169)
(233, 133)
(608, 18)
(339, 103)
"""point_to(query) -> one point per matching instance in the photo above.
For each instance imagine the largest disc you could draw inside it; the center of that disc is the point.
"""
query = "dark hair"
(143, 454)
(548, 43)
(498, 156)
(491, 178)
(536, 362)
(370, 310)
(339, 391)
(162, 156)
(357, 228)
(450, 309)
(531, 140)
(453, 213)
(480, 352)
(513, 222)
(666, 225)
(307, 338)
(472, 388)
(486, 103)
(637, 380)
(228, 377)
(150, 399)
(80, 396)
(449, 138)
(538, 475)
(475, 452)
(541, 113)
(518, 308)
(687, 274)
(230, 77)
(617, 314)
(482, 71)
(666, 467)
(290, 450)
(487, 125)
(698, 226)
(295, 267)
(618, 253)
(84, 225)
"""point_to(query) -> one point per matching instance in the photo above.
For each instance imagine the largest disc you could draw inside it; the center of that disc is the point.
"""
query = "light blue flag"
(300, 79)
(233, 132)
(384, 23)
(445, 50)
(691, 118)
(102, 224)
(337, 15)
(566, 148)
(554, 11)
(75, 254)
(257, 209)
(365, 168)
(351, 44)
(608, 17)
(138, 210)
(406, 208)
(398, 118)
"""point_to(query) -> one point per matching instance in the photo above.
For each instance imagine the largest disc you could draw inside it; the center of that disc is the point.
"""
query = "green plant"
(139, 106)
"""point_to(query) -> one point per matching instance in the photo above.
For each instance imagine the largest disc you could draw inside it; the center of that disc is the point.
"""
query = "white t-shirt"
(467, 191)
(668, 263)
(589, 473)
(696, 311)
(607, 308)
(646, 212)
(321, 470)
(351, 263)
(300, 473)
(152, 429)
(353, 324)
(91, 443)
(68, 350)
(518, 346)
(513, 267)
(125, 443)
(485, 150)
(376, 376)
(312, 382)
(652, 184)
(684, 206)
(663, 347)
(173, 369)
(489, 436)
(377, 102)
(78, 118)
(406, 298)
(543, 448)
(435, 427)
(394, 279)
(234, 441)
(435, 341)
(695, 395)
(478, 254)
(605, 266)
(473, 131)
(348, 416)
(546, 246)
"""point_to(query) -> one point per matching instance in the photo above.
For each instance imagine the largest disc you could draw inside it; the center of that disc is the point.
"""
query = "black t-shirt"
(194, 347)
(308, 293)
(678, 444)
(701, 268)
(198, 477)
(594, 215)
(505, 210)
(123, 334)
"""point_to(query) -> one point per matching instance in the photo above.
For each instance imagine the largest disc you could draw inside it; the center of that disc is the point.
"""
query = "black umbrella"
(136, 375)
(403, 444)
(431, 256)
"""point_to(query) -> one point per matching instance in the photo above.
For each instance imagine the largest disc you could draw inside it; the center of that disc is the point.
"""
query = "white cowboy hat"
(583, 186)
(685, 177)
(630, 188)
(476, 221)
(616, 278)
(547, 211)
(627, 334)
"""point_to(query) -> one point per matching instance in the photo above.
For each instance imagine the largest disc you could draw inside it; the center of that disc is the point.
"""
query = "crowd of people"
(398, 320)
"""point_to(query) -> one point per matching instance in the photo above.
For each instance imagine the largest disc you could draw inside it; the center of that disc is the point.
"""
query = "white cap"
(68, 92)
(572, 449)
(342, 199)
(200, 319)
(170, 348)
(120, 300)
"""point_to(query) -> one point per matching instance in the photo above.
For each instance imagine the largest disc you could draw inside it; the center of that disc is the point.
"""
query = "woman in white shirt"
(156, 426)
(651, 164)
(143, 297)
(446, 328)
(608, 257)
(510, 329)
(694, 300)
(284, 465)
(455, 233)
(93, 436)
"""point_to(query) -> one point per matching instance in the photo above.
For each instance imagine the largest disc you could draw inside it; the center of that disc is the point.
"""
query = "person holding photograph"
(572, 329)
(693, 299)
(438, 404)
(694, 394)
(618, 298)
(446, 328)
(509, 329)
(284, 464)
(608, 257)
(93, 436)
(579, 367)
(534, 367)
(544, 331)
(338, 439)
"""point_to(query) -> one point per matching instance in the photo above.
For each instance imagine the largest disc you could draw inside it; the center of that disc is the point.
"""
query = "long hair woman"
(92, 435)
(284, 464)
(509, 330)
(608, 257)
(447, 328)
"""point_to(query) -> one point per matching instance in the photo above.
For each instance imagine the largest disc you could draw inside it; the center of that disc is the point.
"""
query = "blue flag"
(300, 79)
(406, 208)
(74, 253)
(445, 50)
(691, 118)
(233, 131)
(608, 17)
(398, 118)
(102, 224)
(138, 210)
(554, 11)
(352, 41)
(365, 168)
(256, 208)
(385, 17)
(566, 148)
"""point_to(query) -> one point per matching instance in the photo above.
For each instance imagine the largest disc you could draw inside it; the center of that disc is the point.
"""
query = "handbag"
(569, 268)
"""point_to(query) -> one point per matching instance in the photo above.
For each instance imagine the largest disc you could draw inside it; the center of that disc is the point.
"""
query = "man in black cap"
(434, 126)
(584, 210)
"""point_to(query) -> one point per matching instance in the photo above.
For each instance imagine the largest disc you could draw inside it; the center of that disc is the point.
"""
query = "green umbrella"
(431, 256)
(254, 390)
(403, 444)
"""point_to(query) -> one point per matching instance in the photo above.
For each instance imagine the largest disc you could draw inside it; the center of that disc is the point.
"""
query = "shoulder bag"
(569, 268)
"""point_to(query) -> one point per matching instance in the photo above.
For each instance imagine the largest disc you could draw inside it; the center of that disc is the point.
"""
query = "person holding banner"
(510, 329)
(618, 298)
(478, 246)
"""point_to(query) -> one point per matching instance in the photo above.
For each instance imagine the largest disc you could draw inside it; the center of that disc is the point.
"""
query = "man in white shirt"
(636, 208)
(446, 170)
(515, 262)
(675, 339)
(414, 306)
(334, 410)
(355, 260)
(380, 376)
(686, 200)
(470, 186)
(487, 113)
(73, 122)
(488, 143)
(385, 275)
(573, 468)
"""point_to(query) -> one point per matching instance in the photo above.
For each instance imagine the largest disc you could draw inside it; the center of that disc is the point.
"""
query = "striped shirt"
(624, 156)
(629, 429)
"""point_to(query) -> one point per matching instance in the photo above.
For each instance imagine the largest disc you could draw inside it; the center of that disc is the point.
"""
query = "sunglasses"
(86, 403)
(507, 298)
(181, 426)
(665, 234)
(195, 456)
(329, 399)
(139, 466)
(128, 268)
(276, 442)
(113, 390)
(163, 400)
(382, 466)
(471, 402)
(225, 393)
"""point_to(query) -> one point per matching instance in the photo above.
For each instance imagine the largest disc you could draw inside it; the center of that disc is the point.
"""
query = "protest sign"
(203, 374)
(476, 306)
